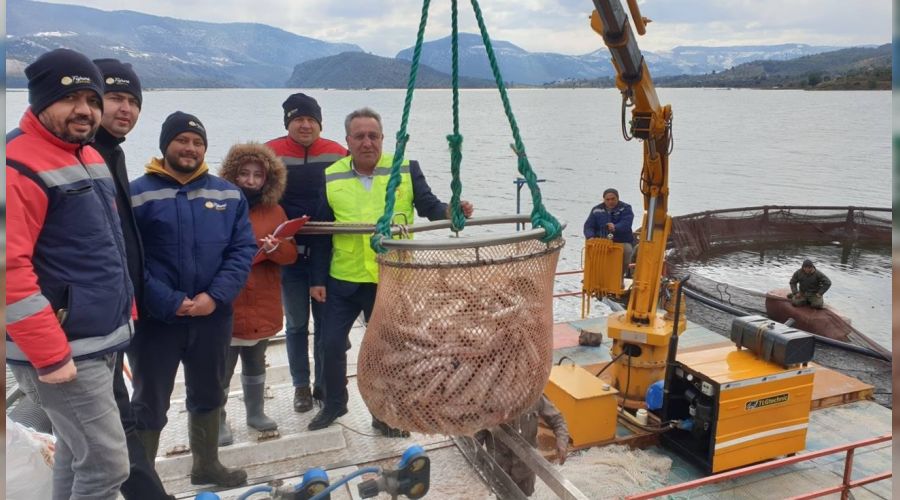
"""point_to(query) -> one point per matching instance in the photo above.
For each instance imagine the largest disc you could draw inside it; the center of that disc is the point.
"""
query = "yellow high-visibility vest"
(352, 257)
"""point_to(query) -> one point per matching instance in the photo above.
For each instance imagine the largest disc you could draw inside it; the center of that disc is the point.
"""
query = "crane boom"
(640, 332)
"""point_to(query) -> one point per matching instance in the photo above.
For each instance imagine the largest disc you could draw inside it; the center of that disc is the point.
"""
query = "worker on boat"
(355, 189)
(306, 155)
(808, 285)
(258, 315)
(198, 245)
(122, 99)
(527, 426)
(612, 218)
(69, 299)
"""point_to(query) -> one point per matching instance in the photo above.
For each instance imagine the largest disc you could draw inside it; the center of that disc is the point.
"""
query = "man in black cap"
(69, 298)
(306, 155)
(612, 219)
(198, 245)
(122, 101)
(808, 285)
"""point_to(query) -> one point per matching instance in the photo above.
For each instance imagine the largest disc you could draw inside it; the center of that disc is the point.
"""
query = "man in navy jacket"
(198, 245)
(612, 217)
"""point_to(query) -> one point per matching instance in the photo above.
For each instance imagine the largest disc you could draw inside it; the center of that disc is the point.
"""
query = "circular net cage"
(697, 237)
(460, 339)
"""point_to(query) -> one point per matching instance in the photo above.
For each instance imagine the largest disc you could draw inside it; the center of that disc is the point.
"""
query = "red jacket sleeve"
(31, 321)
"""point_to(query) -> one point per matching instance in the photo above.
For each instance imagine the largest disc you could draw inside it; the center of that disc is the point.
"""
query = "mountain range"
(536, 68)
(165, 52)
(176, 53)
(358, 70)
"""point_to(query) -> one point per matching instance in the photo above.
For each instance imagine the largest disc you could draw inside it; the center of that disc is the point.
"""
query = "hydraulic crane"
(640, 334)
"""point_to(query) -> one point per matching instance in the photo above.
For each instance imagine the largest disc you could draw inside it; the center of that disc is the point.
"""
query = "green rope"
(539, 215)
(455, 139)
(383, 227)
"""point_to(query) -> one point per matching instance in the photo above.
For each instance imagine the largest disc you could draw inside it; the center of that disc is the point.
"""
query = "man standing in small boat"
(812, 285)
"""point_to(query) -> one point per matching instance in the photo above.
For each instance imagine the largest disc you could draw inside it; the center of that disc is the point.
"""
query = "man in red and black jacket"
(69, 299)
(306, 155)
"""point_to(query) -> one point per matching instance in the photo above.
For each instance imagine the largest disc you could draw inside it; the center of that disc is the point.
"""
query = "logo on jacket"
(219, 207)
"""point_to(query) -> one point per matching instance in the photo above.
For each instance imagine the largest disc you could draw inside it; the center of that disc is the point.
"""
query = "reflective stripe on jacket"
(68, 294)
(197, 238)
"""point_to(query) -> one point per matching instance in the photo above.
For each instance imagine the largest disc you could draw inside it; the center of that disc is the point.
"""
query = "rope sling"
(460, 338)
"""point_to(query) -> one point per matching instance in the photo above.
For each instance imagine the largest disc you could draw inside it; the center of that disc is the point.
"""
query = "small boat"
(825, 322)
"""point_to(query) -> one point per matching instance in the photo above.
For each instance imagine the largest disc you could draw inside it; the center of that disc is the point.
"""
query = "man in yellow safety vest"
(355, 189)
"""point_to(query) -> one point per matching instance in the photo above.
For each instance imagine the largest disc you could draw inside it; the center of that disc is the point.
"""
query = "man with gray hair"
(355, 189)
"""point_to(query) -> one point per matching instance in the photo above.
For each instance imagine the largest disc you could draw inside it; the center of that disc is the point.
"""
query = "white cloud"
(561, 26)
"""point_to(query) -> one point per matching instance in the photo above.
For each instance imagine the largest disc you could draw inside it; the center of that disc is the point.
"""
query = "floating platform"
(842, 414)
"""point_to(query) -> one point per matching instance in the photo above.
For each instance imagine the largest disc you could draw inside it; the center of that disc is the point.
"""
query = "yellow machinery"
(601, 255)
(742, 409)
(728, 407)
(588, 403)
(640, 334)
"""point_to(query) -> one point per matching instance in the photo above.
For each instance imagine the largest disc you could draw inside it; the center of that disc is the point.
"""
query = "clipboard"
(284, 230)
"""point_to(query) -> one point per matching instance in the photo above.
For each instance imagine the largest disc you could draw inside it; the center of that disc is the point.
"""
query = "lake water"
(732, 148)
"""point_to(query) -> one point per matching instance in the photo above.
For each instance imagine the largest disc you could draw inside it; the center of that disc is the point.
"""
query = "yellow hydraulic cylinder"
(640, 351)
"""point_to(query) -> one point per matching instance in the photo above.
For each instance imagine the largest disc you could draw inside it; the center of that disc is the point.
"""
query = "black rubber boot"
(204, 436)
(150, 440)
(254, 394)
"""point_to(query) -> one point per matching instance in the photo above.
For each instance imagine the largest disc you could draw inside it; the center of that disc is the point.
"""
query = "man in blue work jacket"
(612, 217)
(198, 245)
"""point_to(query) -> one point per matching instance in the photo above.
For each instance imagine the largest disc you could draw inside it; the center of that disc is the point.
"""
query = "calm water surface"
(732, 148)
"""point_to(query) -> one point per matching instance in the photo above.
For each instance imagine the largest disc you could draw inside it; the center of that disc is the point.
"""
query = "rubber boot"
(204, 437)
(150, 440)
(254, 392)
(225, 436)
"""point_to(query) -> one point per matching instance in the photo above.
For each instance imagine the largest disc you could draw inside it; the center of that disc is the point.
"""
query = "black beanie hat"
(120, 77)
(301, 105)
(611, 190)
(808, 263)
(177, 123)
(58, 73)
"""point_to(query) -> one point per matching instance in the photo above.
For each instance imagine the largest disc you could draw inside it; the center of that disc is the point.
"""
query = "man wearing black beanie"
(306, 155)
(198, 245)
(69, 297)
(122, 102)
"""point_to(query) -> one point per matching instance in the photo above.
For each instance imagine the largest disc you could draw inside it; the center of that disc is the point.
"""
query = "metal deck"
(343, 448)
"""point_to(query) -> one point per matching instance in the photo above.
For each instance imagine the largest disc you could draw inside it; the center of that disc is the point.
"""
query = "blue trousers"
(345, 300)
(201, 344)
(91, 460)
(295, 281)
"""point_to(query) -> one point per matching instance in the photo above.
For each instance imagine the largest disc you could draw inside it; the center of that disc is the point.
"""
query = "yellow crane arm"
(652, 123)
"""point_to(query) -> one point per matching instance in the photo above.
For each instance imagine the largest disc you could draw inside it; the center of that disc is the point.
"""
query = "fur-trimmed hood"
(276, 173)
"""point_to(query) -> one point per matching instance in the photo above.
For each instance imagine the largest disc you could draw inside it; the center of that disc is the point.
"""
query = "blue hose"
(254, 490)
(344, 480)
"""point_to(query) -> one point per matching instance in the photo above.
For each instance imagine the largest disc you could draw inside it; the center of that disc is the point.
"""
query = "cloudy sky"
(387, 26)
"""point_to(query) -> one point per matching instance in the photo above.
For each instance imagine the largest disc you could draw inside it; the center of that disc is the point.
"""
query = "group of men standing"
(98, 266)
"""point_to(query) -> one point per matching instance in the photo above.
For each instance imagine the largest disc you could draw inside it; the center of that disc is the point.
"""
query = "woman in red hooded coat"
(258, 314)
